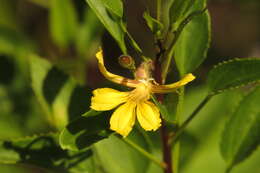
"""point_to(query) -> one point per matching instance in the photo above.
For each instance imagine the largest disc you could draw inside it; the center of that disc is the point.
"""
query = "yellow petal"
(172, 87)
(148, 115)
(123, 118)
(107, 99)
(112, 77)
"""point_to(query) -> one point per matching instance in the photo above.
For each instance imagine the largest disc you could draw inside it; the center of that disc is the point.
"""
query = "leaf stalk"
(143, 152)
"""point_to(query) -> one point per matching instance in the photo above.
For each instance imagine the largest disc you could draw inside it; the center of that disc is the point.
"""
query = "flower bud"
(144, 70)
(127, 62)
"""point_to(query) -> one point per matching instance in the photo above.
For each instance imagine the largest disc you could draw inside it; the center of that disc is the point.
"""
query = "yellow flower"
(132, 104)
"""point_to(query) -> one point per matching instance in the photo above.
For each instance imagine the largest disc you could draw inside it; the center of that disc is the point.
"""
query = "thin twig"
(180, 130)
(143, 152)
(159, 8)
(177, 33)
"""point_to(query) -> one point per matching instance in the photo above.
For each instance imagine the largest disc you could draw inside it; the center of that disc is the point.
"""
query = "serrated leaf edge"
(239, 86)
(233, 60)
(18, 139)
(64, 147)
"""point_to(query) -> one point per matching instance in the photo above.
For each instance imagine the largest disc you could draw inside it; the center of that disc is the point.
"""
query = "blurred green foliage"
(47, 74)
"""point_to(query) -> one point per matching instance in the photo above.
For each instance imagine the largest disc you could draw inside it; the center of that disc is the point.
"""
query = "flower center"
(141, 92)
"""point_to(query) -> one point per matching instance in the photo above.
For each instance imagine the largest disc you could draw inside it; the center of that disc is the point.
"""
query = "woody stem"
(167, 157)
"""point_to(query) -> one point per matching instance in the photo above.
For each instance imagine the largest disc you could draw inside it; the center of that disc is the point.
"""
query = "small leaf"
(56, 79)
(171, 103)
(163, 109)
(233, 73)
(59, 95)
(43, 151)
(179, 10)
(241, 135)
(154, 25)
(193, 43)
(85, 131)
(111, 24)
(115, 6)
(63, 22)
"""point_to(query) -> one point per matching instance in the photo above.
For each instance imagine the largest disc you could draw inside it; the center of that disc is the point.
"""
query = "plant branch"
(143, 152)
(180, 130)
(177, 33)
(167, 157)
(159, 8)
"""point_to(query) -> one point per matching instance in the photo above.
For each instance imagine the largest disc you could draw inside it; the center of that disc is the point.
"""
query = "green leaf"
(189, 143)
(233, 73)
(89, 33)
(179, 10)
(193, 43)
(15, 150)
(241, 135)
(171, 102)
(60, 96)
(163, 109)
(154, 25)
(103, 12)
(63, 22)
(169, 108)
(85, 131)
(43, 151)
(115, 156)
(115, 6)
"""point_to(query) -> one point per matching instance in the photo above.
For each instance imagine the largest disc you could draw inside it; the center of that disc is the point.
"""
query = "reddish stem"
(167, 157)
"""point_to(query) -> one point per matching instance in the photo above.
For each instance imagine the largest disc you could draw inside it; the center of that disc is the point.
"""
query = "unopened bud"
(144, 70)
(127, 62)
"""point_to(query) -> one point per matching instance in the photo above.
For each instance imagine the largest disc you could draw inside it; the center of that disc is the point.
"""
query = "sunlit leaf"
(113, 25)
(85, 131)
(115, 6)
(233, 73)
(60, 96)
(241, 135)
(193, 43)
(115, 156)
(63, 22)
